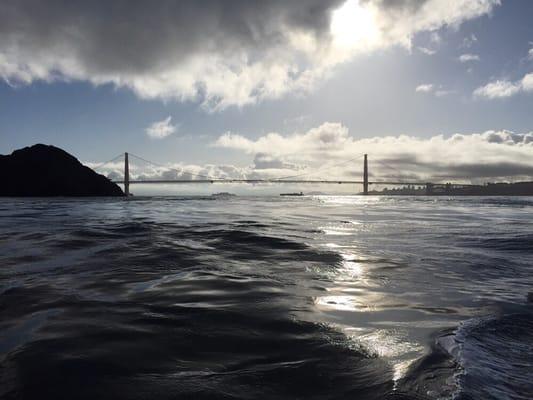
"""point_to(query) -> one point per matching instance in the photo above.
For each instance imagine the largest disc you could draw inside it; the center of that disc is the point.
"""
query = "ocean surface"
(324, 297)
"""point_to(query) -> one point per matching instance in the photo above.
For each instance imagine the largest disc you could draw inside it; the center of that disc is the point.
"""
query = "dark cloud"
(132, 36)
(487, 170)
(451, 170)
(222, 52)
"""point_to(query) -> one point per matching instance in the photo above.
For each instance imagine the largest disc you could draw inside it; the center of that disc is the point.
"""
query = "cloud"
(324, 150)
(263, 161)
(438, 91)
(468, 57)
(424, 88)
(161, 129)
(326, 136)
(530, 54)
(527, 83)
(427, 51)
(217, 52)
(500, 89)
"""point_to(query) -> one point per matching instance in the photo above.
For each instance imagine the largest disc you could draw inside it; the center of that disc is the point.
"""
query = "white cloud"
(527, 83)
(468, 57)
(438, 91)
(425, 88)
(161, 129)
(497, 90)
(491, 155)
(327, 136)
(427, 51)
(500, 89)
(530, 54)
(193, 51)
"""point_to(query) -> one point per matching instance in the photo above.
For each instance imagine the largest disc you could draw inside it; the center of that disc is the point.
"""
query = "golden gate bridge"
(126, 181)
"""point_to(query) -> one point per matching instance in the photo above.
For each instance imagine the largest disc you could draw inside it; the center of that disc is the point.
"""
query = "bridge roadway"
(126, 181)
(339, 182)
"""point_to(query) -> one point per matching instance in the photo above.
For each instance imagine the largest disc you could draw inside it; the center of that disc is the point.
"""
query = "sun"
(354, 26)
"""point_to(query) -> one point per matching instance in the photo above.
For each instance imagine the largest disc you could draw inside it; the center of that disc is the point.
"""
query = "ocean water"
(325, 297)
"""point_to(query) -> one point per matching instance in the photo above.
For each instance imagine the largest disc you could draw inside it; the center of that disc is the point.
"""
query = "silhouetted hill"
(42, 170)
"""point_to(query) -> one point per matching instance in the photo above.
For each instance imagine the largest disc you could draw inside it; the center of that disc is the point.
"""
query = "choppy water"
(266, 298)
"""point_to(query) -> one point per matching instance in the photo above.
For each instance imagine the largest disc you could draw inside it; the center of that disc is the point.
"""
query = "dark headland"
(42, 170)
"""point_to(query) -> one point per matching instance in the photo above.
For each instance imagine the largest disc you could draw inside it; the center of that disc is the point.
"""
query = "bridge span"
(365, 181)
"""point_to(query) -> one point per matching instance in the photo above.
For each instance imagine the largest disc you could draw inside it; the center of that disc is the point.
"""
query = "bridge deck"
(340, 182)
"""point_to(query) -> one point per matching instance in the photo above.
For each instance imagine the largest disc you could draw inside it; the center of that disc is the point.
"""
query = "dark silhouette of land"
(42, 170)
(489, 189)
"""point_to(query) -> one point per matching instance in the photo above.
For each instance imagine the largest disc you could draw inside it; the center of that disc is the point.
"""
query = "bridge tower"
(365, 175)
(126, 175)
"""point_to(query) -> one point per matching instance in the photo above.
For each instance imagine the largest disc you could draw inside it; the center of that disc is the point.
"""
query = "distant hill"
(43, 170)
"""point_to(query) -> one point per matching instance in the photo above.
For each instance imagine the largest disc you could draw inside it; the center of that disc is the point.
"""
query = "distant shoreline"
(490, 189)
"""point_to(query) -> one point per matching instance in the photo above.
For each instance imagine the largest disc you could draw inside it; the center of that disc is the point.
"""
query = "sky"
(430, 89)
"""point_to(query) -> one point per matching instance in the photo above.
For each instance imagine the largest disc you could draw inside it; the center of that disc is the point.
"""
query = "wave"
(496, 354)
(522, 243)
(168, 344)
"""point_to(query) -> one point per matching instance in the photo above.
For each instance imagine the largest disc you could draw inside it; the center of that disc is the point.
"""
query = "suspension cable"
(107, 162)
(319, 169)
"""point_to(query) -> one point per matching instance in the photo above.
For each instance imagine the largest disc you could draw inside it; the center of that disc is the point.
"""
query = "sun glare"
(353, 26)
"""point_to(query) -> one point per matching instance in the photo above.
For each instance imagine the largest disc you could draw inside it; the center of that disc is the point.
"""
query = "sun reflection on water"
(356, 293)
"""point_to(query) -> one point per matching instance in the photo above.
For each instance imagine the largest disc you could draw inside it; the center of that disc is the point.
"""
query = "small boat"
(223, 195)
(292, 194)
